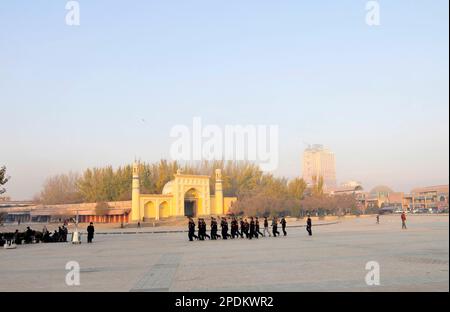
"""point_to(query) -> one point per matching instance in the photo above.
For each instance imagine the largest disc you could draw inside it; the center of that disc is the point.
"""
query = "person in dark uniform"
(246, 228)
(199, 226)
(266, 227)
(16, 238)
(224, 226)
(214, 234)
(258, 232)
(283, 226)
(191, 229)
(237, 228)
(309, 225)
(201, 232)
(242, 224)
(234, 228)
(205, 234)
(90, 230)
(275, 227)
(29, 233)
(252, 229)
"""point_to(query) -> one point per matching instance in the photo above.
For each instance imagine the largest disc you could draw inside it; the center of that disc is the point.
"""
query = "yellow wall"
(171, 203)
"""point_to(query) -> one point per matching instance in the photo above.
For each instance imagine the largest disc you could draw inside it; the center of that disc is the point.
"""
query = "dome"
(167, 189)
(381, 189)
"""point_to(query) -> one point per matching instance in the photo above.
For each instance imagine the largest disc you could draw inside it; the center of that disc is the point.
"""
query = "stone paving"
(334, 259)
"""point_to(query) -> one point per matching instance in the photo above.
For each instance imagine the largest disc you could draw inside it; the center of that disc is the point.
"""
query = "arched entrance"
(191, 203)
(149, 210)
(164, 211)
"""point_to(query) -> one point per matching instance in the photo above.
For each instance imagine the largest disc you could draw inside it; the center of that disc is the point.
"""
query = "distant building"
(349, 188)
(430, 197)
(185, 195)
(319, 162)
(5, 198)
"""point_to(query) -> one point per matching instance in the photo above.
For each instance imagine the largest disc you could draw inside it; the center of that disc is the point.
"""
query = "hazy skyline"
(73, 97)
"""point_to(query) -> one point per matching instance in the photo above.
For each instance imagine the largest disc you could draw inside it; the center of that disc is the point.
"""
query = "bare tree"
(3, 179)
(61, 189)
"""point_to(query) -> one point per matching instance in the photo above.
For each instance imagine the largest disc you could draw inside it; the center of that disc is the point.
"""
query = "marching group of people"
(248, 228)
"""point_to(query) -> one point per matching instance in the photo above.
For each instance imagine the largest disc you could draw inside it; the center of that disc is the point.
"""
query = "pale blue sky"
(74, 97)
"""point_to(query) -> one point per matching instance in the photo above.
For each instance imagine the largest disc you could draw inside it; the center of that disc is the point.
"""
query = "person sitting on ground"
(16, 237)
(55, 237)
(60, 234)
(46, 237)
(29, 233)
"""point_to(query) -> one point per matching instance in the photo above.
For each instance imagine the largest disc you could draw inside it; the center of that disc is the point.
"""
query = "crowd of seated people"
(58, 236)
(31, 236)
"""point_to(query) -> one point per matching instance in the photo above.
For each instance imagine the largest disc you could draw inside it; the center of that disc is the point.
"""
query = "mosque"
(185, 195)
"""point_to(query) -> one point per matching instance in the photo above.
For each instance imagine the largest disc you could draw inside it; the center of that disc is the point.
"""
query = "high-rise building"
(319, 162)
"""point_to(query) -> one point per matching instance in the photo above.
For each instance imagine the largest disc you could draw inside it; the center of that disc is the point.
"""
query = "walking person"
(242, 224)
(246, 228)
(214, 235)
(283, 226)
(234, 228)
(309, 225)
(378, 219)
(191, 230)
(224, 225)
(266, 227)
(252, 229)
(403, 217)
(258, 232)
(200, 232)
(90, 230)
(238, 234)
(275, 227)
(204, 229)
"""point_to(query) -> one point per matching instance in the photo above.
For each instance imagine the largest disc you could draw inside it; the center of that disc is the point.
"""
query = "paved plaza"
(334, 259)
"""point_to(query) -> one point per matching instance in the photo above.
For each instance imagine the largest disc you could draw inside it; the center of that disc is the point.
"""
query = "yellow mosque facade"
(185, 195)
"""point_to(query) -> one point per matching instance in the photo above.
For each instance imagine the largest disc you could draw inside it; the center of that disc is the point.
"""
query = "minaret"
(219, 192)
(135, 195)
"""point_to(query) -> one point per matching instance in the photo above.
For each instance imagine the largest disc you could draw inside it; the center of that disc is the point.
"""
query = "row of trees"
(258, 192)
(275, 196)
(108, 184)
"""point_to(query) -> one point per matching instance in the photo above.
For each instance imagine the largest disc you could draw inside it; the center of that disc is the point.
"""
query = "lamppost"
(76, 235)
